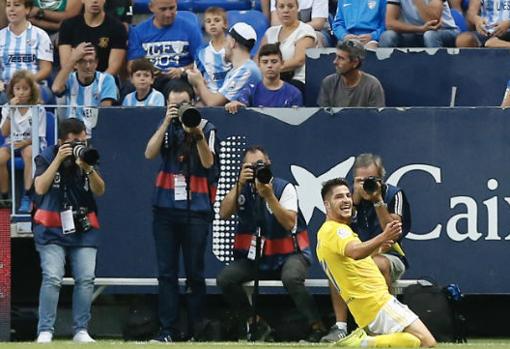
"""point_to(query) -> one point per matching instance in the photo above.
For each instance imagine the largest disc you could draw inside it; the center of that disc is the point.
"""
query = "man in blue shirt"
(85, 89)
(168, 40)
(271, 91)
(419, 23)
(240, 40)
(362, 20)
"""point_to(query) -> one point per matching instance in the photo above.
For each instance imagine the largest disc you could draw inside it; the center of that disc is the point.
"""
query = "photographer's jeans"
(83, 265)
(170, 236)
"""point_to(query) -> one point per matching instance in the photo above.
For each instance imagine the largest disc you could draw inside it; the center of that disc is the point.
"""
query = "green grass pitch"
(111, 344)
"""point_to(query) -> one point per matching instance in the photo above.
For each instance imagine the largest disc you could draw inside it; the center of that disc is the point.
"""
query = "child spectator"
(142, 77)
(272, 91)
(23, 45)
(16, 126)
(211, 57)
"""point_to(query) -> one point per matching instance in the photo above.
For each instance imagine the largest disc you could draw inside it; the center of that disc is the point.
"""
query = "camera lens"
(370, 185)
(190, 117)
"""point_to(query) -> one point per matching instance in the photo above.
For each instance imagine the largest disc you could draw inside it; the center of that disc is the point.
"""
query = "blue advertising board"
(451, 162)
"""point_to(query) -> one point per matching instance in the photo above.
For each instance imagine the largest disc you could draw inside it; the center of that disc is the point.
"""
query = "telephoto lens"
(85, 153)
(189, 116)
(370, 184)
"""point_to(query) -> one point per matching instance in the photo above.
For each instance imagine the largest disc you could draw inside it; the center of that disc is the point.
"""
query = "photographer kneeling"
(65, 224)
(182, 208)
(271, 204)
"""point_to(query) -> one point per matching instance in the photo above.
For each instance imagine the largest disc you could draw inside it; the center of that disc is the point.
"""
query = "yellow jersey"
(359, 282)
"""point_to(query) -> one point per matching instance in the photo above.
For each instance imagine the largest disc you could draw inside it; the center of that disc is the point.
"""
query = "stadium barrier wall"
(424, 77)
(452, 163)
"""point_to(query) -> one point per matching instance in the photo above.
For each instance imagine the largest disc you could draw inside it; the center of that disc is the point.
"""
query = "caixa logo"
(309, 187)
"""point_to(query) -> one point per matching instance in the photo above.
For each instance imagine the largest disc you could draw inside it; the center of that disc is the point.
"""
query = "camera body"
(370, 184)
(262, 172)
(81, 220)
(188, 115)
(82, 151)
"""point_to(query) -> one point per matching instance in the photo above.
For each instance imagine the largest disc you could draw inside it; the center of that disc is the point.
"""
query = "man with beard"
(240, 40)
(349, 86)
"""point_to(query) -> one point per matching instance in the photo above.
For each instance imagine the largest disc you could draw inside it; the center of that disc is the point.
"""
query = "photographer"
(65, 224)
(376, 204)
(271, 204)
(182, 207)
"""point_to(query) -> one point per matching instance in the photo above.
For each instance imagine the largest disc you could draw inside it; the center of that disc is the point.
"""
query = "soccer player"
(347, 263)
(142, 77)
(86, 88)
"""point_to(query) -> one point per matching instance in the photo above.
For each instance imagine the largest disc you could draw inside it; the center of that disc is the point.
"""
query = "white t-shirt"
(289, 199)
(288, 46)
(309, 9)
(21, 125)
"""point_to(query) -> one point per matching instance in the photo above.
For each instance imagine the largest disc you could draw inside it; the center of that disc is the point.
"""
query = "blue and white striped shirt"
(84, 100)
(237, 79)
(153, 99)
(213, 66)
(22, 52)
(495, 11)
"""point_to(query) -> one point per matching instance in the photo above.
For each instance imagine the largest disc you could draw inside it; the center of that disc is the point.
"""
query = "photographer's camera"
(262, 172)
(370, 184)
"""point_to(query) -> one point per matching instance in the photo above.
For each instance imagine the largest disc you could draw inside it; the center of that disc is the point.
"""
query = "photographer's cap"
(244, 34)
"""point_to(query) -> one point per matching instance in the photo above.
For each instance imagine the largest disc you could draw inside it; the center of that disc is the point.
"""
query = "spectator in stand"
(100, 29)
(23, 46)
(49, 15)
(271, 91)
(211, 57)
(142, 77)
(312, 12)
(122, 10)
(17, 122)
(349, 86)
(294, 37)
(418, 23)
(240, 40)
(168, 40)
(362, 20)
(492, 22)
(83, 88)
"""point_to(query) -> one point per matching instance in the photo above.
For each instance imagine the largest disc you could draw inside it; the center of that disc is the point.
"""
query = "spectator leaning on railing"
(168, 40)
(271, 91)
(81, 88)
(418, 23)
(23, 46)
(103, 30)
(350, 86)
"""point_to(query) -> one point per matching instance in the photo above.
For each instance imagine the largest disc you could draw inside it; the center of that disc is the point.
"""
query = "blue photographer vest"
(279, 242)
(46, 222)
(174, 152)
(366, 224)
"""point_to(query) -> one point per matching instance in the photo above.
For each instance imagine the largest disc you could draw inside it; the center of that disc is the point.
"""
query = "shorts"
(393, 317)
(397, 267)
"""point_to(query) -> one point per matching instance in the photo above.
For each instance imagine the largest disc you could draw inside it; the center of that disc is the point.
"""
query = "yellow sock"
(403, 339)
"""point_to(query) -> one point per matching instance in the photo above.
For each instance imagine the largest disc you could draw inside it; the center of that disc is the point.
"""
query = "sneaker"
(334, 335)
(352, 340)
(83, 336)
(44, 337)
(260, 331)
(161, 338)
(25, 205)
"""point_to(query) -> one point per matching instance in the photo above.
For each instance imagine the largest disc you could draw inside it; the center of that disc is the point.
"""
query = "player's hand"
(65, 150)
(14, 101)
(392, 231)
(246, 174)
(83, 165)
(365, 38)
(351, 37)
(175, 73)
(234, 106)
(433, 24)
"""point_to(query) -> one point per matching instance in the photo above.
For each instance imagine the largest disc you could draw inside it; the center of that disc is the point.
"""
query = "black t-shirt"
(110, 34)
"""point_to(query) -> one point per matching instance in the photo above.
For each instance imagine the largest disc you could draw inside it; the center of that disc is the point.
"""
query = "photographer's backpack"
(439, 309)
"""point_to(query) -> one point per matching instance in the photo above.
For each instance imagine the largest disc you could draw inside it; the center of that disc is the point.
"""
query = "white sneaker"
(44, 337)
(83, 336)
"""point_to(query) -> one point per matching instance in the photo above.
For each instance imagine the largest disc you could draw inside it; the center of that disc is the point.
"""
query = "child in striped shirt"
(142, 77)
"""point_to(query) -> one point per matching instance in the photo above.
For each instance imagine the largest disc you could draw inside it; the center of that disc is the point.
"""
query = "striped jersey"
(237, 79)
(213, 66)
(153, 99)
(82, 101)
(495, 11)
(22, 52)
(21, 124)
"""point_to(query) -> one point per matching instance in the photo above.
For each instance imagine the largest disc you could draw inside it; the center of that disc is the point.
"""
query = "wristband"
(379, 204)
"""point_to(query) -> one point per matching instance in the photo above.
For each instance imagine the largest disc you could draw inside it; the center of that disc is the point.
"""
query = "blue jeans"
(170, 236)
(431, 38)
(83, 265)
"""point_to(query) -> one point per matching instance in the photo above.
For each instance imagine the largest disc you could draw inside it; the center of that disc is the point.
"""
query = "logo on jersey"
(371, 4)
(103, 42)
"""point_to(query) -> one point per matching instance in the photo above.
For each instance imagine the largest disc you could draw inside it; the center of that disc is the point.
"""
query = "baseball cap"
(244, 34)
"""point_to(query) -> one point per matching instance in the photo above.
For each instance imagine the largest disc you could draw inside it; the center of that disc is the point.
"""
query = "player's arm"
(359, 250)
